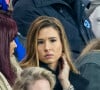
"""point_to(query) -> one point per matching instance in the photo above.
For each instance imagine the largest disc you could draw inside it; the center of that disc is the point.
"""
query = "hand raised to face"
(64, 72)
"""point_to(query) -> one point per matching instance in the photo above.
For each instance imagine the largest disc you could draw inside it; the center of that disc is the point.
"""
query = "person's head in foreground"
(35, 78)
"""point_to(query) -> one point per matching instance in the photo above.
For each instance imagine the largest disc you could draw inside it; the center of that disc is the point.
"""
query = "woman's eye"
(40, 42)
(53, 40)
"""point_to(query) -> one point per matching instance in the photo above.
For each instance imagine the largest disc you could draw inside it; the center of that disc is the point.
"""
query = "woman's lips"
(48, 56)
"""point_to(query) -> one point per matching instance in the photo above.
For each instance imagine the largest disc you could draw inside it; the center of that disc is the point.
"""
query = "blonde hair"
(32, 58)
(94, 44)
(31, 75)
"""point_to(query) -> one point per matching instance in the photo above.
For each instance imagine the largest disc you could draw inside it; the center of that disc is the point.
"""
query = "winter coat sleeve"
(91, 72)
(4, 85)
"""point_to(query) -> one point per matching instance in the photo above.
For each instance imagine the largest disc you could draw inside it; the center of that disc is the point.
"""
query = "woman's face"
(95, 20)
(13, 45)
(49, 46)
(41, 84)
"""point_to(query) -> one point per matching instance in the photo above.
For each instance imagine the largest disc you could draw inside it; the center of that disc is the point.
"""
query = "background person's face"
(13, 45)
(49, 46)
(95, 21)
(42, 84)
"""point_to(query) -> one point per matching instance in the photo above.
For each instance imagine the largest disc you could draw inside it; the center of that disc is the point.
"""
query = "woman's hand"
(64, 72)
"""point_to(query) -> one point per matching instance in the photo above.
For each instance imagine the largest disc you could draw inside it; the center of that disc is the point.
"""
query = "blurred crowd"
(49, 44)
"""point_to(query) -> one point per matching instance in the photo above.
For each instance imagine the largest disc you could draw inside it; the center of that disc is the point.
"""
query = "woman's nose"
(47, 46)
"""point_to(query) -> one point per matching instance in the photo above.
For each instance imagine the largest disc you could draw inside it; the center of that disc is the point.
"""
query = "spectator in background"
(35, 78)
(69, 12)
(89, 64)
(94, 16)
(95, 20)
(9, 68)
(47, 47)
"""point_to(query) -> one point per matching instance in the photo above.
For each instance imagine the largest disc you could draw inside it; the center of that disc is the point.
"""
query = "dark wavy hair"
(8, 31)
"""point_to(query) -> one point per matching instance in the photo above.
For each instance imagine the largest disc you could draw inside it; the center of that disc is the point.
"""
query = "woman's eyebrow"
(48, 38)
(52, 38)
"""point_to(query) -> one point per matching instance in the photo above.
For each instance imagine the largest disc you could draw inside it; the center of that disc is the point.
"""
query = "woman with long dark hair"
(8, 31)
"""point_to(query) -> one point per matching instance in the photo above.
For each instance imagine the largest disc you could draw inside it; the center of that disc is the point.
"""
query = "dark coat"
(89, 67)
(69, 12)
(76, 80)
